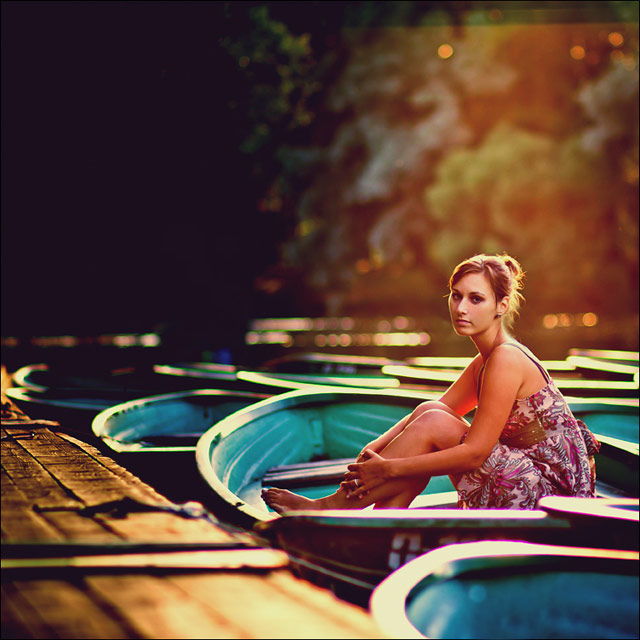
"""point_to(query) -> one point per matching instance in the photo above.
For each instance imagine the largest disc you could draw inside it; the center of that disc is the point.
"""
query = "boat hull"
(351, 552)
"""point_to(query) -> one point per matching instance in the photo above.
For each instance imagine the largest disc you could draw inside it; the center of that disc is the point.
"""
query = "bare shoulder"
(505, 356)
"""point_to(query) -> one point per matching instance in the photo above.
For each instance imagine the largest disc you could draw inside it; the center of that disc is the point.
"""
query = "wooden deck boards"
(48, 479)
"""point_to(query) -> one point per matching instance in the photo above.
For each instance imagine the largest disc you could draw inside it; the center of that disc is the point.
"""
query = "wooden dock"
(90, 551)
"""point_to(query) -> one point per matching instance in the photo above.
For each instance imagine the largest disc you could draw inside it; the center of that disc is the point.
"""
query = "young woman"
(523, 442)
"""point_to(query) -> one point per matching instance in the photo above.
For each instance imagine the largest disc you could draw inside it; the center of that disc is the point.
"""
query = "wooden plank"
(19, 618)
(67, 610)
(19, 521)
(281, 606)
(155, 608)
(193, 560)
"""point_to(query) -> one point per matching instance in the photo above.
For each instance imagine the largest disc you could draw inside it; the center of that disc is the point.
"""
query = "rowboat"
(599, 368)
(352, 551)
(609, 355)
(500, 589)
(305, 439)
(138, 382)
(73, 408)
(150, 435)
(557, 368)
(573, 385)
(267, 381)
(319, 430)
(313, 380)
(327, 364)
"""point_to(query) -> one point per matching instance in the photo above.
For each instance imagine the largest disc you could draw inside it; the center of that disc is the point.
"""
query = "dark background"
(126, 205)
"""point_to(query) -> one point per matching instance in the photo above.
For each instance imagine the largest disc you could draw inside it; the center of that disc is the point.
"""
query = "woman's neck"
(488, 341)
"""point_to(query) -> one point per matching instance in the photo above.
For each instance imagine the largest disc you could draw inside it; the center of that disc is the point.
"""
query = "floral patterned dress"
(543, 450)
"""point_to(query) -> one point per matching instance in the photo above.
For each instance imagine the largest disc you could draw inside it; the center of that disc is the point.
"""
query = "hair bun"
(517, 273)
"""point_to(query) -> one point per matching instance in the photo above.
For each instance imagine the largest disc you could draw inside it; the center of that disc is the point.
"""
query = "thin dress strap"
(542, 369)
(515, 344)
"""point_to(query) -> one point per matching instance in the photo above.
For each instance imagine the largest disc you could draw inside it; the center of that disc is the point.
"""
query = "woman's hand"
(368, 472)
(372, 446)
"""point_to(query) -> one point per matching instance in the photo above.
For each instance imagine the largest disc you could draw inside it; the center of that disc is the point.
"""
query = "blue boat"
(304, 440)
(150, 435)
(511, 589)
(73, 408)
(601, 384)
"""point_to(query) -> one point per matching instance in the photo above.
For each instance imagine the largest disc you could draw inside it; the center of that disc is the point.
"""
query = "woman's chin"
(463, 329)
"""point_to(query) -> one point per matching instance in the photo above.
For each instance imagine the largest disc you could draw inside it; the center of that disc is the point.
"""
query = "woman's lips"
(461, 321)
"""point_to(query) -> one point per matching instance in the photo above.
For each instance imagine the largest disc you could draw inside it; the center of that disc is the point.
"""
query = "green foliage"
(276, 67)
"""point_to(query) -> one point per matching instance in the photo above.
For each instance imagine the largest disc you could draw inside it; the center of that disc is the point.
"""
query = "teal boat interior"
(504, 589)
(306, 428)
(170, 422)
(620, 420)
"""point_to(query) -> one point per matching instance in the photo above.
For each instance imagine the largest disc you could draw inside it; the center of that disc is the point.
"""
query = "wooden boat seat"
(305, 474)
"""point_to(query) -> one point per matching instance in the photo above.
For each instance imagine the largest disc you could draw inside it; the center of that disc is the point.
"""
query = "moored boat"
(313, 434)
(73, 408)
(154, 434)
(313, 380)
(507, 589)
(138, 382)
(328, 364)
(609, 355)
(305, 439)
(134, 381)
(568, 384)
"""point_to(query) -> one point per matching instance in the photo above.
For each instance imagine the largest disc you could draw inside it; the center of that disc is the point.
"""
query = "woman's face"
(472, 305)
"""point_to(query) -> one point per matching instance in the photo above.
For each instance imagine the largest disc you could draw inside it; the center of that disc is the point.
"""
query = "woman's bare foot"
(282, 500)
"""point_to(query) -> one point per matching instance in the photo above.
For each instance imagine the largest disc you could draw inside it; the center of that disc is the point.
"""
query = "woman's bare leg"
(431, 430)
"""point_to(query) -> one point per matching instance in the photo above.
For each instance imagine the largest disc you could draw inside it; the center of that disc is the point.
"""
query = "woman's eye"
(476, 300)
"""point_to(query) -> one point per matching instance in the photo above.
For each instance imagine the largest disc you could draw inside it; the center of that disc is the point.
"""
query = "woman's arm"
(461, 396)
(502, 380)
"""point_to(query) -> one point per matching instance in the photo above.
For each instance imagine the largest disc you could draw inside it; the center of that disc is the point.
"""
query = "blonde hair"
(504, 274)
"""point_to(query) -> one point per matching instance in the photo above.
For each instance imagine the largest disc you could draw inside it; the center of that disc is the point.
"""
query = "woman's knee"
(429, 405)
(439, 427)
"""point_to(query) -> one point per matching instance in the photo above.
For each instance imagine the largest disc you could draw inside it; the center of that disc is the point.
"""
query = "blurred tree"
(513, 138)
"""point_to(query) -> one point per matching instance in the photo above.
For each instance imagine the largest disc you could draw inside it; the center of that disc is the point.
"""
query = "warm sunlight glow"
(565, 319)
(617, 55)
(616, 39)
(401, 323)
(577, 52)
(282, 324)
(445, 51)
